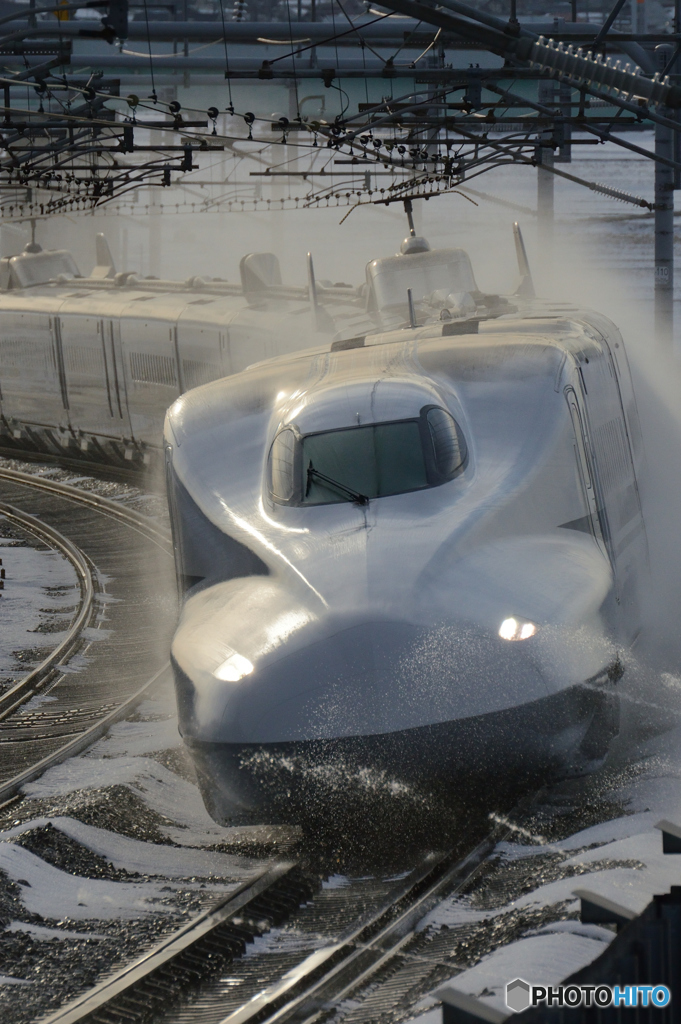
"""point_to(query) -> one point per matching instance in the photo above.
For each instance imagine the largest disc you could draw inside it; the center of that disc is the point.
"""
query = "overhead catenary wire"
(227, 72)
(151, 63)
(319, 42)
(339, 139)
(295, 76)
(168, 56)
(405, 42)
(364, 43)
(427, 49)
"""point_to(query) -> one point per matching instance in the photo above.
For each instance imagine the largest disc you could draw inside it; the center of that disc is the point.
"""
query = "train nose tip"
(370, 677)
(336, 682)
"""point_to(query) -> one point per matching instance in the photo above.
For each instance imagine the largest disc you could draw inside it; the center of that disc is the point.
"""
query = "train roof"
(534, 345)
(51, 278)
(433, 292)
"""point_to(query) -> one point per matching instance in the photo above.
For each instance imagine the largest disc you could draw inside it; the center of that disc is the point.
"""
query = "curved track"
(117, 639)
(41, 675)
(353, 934)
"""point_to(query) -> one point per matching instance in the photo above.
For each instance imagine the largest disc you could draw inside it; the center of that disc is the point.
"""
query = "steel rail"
(126, 995)
(303, 992)
(14, 697)
(79, 743)
(39, 676)
(223, 931)
(135, 520)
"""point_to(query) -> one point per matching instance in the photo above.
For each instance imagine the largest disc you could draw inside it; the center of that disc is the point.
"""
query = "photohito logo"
(520, 995)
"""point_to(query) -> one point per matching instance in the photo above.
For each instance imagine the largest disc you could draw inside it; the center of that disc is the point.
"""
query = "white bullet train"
(411, 550)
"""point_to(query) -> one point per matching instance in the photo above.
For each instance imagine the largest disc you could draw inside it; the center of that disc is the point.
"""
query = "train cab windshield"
(366, 461)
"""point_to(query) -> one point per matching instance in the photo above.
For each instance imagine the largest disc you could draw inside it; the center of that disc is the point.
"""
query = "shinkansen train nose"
(336, 676)
(374, 677)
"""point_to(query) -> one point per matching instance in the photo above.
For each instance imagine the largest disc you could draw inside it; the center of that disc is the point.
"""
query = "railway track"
(115, 646)
(45, 671)
(238, 964)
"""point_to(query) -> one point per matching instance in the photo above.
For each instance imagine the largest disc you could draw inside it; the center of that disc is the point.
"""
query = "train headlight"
(233, 668)
(516, 629)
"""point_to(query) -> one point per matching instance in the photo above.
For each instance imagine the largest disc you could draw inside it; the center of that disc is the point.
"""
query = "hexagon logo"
(517, 995)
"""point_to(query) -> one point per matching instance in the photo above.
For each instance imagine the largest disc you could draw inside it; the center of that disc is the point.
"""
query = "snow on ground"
(620, 859)
(55, 894)
(40, 932)
(161, 789)
(38, 602)
(172, 862)
(540, 960)
(145, 858)
(124, 757)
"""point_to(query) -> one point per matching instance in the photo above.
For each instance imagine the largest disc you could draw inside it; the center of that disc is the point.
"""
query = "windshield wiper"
(314, 474)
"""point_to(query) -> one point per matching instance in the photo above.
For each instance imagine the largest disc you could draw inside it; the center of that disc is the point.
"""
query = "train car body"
(89, 365)
(407, 553)
(407, 526)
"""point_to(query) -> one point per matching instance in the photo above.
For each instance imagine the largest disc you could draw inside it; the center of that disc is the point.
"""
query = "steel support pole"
(545, 197)
(664, 226)
(664, 238)
(545, 180)
(638, 17)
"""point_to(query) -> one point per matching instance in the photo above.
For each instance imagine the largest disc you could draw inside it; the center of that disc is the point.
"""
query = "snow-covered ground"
(535, 915)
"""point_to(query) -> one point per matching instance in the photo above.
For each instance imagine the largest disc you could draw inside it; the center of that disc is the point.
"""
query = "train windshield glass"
(366, 461)
(370, 462)
(422, 281)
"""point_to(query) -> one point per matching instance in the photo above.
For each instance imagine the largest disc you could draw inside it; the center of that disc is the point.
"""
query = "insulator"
(590, 69)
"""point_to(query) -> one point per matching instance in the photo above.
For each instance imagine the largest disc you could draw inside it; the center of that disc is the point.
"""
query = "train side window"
(282, 462)
(449, 450)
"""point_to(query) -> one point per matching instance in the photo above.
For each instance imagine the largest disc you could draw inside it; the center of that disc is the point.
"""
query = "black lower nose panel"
(414, 769)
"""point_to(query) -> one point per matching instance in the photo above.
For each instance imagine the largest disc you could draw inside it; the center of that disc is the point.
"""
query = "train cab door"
(31, 370)
(615, 479)
(152, 374)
